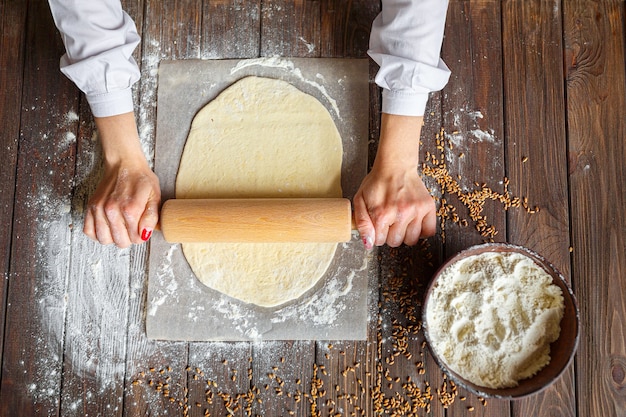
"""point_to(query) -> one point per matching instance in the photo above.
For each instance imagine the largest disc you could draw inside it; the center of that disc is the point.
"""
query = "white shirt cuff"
(112, 103)
(403, 103)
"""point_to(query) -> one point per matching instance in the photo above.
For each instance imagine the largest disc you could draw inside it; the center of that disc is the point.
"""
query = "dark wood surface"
(536, 102)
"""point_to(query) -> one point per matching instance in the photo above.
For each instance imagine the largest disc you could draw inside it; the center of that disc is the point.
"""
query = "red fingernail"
(145, 234)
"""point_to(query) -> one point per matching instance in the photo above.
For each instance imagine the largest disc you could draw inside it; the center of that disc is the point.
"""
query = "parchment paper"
(179, 307)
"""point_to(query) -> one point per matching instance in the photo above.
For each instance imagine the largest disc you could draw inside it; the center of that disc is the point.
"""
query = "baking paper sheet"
(179, 307)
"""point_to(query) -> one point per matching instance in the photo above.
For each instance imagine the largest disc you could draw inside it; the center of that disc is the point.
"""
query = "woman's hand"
(392, 205)
(394, 208)
(124, 209)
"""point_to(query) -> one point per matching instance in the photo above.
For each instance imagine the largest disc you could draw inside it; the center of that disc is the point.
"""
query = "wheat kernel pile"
(435, 166)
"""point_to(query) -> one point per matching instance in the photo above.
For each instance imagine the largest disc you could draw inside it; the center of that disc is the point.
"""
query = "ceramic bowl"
(561, 351)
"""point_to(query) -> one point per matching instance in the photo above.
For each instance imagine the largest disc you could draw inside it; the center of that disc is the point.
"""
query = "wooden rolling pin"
(257, 220)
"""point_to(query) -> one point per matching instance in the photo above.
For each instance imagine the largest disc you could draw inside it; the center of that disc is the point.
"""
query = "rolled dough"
(261, 138)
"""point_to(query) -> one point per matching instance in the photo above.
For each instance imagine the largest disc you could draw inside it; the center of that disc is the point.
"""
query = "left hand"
(125, 207)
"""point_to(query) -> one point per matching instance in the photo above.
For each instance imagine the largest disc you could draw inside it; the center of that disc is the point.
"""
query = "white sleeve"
(406, 43)
(99, 39)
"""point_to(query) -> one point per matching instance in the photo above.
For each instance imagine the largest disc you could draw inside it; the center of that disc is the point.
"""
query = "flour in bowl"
(491, 318)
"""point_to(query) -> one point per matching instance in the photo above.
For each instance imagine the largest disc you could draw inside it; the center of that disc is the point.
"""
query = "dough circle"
(261, 138)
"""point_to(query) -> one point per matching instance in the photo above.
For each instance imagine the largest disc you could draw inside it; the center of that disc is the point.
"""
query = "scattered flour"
(71, 117)
(475, 115)
(289, 66)
(466, 130)
(309, 46)
(80, 289)
(165, 271)
(320, 309)
(491, 318)
(147, 112)
(483, 136)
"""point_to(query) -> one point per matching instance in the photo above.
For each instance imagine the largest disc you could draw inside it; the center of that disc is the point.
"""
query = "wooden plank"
(31, 377)
(170, 30)
(95, 345)
(231, 29)
(596, 95)
(473, 141)
(97, 294)
(345, 27)
(98, 290)
(12, 41)
(535, 133)
(406, 376)
(290, 28)
(473, 115)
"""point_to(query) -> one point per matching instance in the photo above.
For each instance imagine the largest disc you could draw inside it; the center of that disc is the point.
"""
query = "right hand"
(393, 205)
(125, 207)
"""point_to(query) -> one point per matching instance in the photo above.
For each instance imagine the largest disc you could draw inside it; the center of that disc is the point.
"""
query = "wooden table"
(537, 96)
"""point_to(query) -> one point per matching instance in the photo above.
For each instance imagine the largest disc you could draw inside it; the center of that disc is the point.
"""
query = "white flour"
(324, 307)
(147, 111)
(289, 66)
(466, 131)
(165, 271)
(83, 307)
(483, 135)
(491, 318)
(81, 290)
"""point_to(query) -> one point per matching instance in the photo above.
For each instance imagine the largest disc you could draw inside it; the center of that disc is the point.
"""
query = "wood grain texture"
(345, 27)
(535, 126)
(596, 91)
(32, 358)
(552, 89)
(290, 28)
(473, 113)
(231, 29)
(535, 108)
(12, 44)
(170, 30)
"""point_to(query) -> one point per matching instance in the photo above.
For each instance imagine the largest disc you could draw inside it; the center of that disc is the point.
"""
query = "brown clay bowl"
(561, 351)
